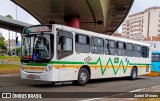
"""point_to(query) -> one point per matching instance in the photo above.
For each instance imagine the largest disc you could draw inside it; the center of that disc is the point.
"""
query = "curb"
(153, 74)
(10, 61)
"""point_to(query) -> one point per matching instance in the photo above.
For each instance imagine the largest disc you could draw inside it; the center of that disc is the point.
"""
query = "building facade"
(12, 44)
(155, 43)
(143, 24)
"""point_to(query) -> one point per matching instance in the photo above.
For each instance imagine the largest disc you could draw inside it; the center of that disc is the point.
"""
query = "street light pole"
(16, 34)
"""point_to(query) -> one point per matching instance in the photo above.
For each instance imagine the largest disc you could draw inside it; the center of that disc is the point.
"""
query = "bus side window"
(97, 45)
(82, 43)
(156, 58)
(129, 49)
(64, 44)
(121, 49)
(137, 50)
(145, 52)
(153, 58)
(112, 47)
(106, 47)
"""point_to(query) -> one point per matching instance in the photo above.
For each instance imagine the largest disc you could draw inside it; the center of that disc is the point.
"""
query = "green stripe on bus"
(65, 62)
(93, 63)
(36, 64)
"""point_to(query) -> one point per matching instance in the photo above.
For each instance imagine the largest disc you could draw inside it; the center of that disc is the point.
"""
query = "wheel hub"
(83, 77)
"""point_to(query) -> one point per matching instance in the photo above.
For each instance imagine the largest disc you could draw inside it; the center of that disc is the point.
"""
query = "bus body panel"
(101, 65)
(155, 64)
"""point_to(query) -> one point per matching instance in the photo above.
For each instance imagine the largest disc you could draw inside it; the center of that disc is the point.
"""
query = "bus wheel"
(133, 73)
(83, 77)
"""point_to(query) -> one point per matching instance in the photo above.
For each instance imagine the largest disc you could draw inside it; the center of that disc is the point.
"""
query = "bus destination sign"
(34, 29)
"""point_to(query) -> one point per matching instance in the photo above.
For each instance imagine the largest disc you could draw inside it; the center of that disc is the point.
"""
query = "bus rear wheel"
(83, 77)
(133, 73)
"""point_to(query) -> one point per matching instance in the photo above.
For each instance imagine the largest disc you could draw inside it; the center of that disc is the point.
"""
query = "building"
(154, 41)
(12, 44)
(120, 35)
(143, 24)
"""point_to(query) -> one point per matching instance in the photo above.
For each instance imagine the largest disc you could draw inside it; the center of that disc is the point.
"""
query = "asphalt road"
(15, 84)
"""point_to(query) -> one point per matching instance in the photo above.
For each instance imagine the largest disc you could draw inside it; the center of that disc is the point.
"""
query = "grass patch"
(10, 58)
(9, 69)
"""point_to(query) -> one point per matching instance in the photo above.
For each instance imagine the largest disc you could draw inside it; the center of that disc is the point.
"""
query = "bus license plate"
(32, 76)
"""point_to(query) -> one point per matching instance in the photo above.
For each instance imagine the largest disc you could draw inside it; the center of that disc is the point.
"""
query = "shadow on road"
(113, 79)
(106, 80)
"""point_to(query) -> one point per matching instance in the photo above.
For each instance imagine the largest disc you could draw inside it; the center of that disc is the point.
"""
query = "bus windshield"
(37, 47)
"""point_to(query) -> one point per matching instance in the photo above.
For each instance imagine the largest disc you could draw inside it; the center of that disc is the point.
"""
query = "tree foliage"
(9, 16)
(2, 43)
(18, 50)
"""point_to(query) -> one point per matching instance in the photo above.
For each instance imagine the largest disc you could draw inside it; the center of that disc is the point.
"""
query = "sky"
(8, 7)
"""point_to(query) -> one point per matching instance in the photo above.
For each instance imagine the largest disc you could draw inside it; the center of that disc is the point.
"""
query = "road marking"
(118, 94)
(155, 86)
(138, 90)
(121, 93)
(91, 99)
(144, 89)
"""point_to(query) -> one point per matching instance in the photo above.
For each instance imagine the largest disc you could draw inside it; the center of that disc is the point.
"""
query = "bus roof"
(80, 31)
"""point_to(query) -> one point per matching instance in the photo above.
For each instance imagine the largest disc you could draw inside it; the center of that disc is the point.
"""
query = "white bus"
(60, 53)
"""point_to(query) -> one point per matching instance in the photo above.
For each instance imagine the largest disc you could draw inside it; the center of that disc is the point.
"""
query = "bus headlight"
(22, 67)
(48, 68)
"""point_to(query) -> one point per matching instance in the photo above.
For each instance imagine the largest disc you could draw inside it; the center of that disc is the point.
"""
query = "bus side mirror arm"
(62, 40)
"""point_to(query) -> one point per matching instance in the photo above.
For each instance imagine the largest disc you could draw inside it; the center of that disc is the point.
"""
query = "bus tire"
(133, 73)
(83, 77)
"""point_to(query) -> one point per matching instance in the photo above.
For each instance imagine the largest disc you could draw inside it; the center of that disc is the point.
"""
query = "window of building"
(82, 43)
(97, 45)
(137, 50)
(64, 44)
(145, 52)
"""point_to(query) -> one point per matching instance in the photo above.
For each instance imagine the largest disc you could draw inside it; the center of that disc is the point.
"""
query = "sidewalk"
(10, 75)
(9, 62)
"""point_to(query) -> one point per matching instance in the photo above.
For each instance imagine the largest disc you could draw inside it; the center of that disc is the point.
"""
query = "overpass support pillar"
(72, 22)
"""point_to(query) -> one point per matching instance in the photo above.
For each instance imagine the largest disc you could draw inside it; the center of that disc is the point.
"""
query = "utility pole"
(9, 43)
(16, 35)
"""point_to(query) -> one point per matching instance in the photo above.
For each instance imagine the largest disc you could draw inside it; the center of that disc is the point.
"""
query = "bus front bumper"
(44, 76)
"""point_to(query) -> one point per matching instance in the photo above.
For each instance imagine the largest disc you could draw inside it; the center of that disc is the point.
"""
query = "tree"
(2, 43)
(3, 48)
(18, 50)
(9, 16)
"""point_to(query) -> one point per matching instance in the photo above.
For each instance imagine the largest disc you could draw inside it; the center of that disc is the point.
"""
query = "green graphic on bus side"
(116, 60)
(109, 62)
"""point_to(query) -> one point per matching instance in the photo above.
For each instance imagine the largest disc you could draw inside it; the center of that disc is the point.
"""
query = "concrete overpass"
(11, 24)
(103, 16)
